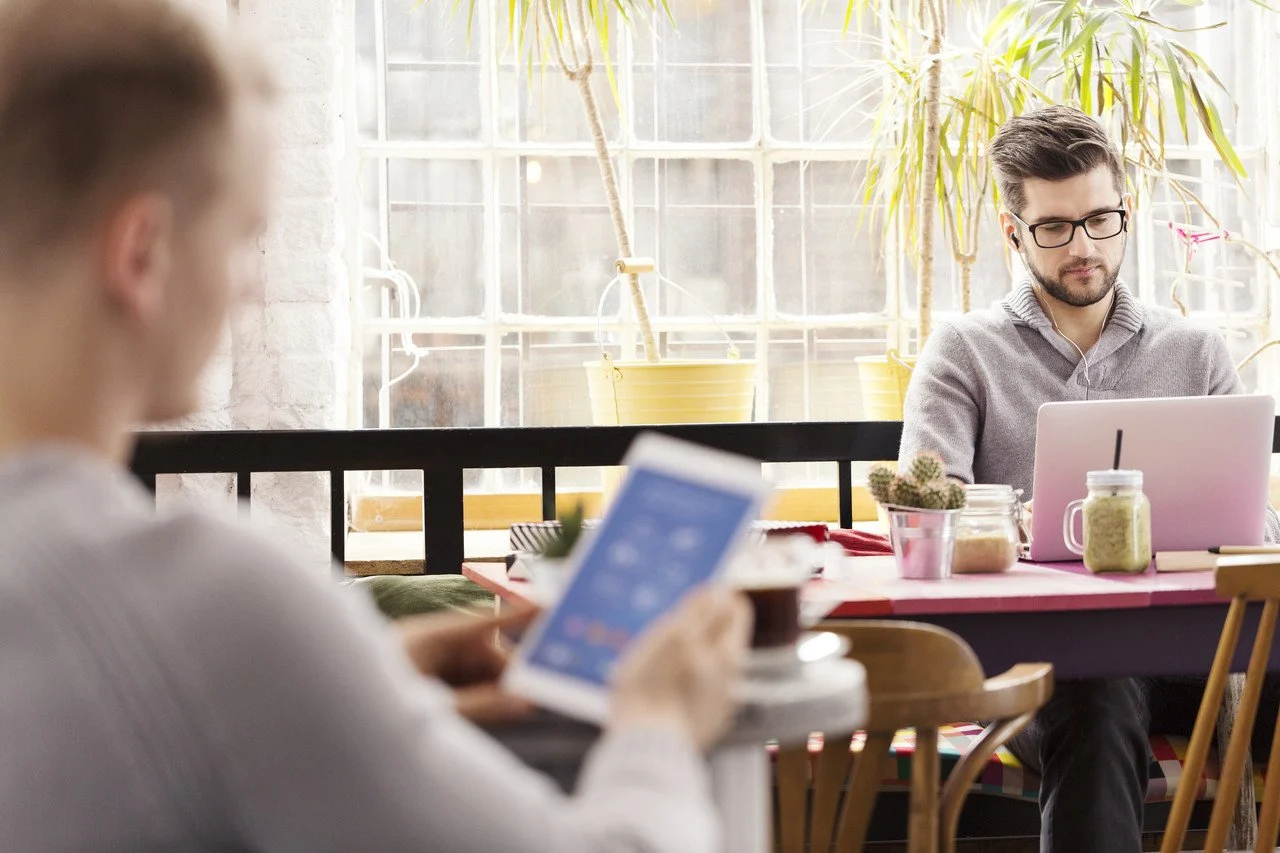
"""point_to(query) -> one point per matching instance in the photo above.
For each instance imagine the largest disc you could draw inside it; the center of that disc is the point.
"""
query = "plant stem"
(580, 72)
(615, 213)
(929, 176)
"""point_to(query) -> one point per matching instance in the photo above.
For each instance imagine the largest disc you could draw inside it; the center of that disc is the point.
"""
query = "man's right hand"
(681, 673)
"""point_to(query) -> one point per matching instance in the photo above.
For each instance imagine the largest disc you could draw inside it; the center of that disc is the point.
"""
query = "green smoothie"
(1117, 533)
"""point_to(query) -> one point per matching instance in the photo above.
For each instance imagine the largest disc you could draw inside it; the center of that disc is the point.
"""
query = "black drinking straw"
(1119, 439)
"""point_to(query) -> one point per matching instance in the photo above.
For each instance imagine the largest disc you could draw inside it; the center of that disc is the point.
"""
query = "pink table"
(1086, 625)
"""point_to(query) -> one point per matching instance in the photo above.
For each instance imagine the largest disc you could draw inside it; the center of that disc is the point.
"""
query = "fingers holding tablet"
(682, 672)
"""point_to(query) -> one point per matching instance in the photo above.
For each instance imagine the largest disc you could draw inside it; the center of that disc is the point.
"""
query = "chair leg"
(966, 772)
(861, 797)
(1192, 768)
(1269, 821)
(1229, 782)
(793, 790)
(926, 770)
(828, 784)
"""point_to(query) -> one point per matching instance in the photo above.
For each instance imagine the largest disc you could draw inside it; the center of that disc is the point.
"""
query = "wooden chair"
(1242, 579)
(918, 676)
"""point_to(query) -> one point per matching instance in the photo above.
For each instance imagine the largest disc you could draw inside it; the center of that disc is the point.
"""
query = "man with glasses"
(1069, 330)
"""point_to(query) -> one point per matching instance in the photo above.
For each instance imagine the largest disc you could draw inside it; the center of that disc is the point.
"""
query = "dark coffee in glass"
(777, 615)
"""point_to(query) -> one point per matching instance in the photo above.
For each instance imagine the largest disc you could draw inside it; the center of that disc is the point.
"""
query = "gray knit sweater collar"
(1024, 309)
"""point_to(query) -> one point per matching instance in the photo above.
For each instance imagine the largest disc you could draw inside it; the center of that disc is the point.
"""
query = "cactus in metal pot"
(927, 468)
(933, 496)
(880, 481)
(904, 492)
(923, 485)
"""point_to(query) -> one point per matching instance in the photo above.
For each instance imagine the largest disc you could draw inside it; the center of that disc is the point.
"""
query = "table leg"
(740, 785)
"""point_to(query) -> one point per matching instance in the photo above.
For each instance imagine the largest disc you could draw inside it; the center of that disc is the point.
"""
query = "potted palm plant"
(570, 35)
(944, 102)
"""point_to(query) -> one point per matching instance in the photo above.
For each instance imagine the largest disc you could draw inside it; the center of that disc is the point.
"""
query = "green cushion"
(398, 595)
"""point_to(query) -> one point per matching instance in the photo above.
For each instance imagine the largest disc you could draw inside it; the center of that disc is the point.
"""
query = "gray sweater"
(981, 380)
(179, 682)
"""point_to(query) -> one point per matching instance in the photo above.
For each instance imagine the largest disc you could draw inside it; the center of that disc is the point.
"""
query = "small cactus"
(905, 492)
(927, 468)
(933, 496)
(880, 482)
(924, 485)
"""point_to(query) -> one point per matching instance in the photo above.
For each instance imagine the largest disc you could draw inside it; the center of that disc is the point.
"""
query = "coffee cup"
(772, 575)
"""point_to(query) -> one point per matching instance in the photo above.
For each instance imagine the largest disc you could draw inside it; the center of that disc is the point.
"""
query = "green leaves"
(1116, 60)
(541, 27)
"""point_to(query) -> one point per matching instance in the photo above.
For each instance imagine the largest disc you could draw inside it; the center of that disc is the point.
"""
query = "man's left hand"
(459, 649)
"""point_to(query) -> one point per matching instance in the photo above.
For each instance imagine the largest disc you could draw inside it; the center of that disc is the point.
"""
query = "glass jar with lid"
(987, 531)
(1117, 523)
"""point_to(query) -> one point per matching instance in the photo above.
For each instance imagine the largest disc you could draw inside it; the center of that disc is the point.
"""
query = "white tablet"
(673, 526)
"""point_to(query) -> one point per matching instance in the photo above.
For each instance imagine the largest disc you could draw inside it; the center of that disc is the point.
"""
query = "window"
(739, 147)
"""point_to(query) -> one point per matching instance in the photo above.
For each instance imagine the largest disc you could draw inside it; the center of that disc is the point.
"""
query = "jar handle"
(1069, 527)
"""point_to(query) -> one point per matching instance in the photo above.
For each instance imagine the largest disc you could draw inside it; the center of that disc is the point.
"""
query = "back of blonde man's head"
(101, 99)
(135, 171)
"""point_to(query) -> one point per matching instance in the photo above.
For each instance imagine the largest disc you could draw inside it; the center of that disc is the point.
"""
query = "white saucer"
(784, 660)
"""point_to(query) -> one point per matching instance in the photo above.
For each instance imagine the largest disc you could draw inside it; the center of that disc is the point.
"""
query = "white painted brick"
(257, 378)
(303, 228)
(304, 120)
(310, 172)
(308, 381)
(249, 329)
(306, 537)
(216, 383)
(301, 328)
(306, 278)
(302, 417)
(306, 68)
(209, 491)
(291, 20)
(204, 421)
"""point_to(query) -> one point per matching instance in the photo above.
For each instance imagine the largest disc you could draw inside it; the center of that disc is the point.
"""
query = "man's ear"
(1010, 229)
(137, 254)
(1128, 206)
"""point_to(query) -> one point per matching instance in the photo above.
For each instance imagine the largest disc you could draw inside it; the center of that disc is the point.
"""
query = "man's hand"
(459, 649)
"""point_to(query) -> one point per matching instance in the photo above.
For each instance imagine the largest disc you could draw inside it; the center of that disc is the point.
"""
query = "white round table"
(821, 695)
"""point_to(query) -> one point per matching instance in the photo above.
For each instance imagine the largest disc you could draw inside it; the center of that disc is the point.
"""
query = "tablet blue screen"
(662, 537)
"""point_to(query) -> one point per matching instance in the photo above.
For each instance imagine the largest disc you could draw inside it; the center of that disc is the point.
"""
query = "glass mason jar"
(1117, 523)
(987, 538)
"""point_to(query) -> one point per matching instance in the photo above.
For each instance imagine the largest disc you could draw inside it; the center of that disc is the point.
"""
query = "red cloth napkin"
(857, 543)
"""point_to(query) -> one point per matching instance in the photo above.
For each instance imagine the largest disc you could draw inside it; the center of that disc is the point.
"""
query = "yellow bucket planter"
(884, 380)
(635, 393)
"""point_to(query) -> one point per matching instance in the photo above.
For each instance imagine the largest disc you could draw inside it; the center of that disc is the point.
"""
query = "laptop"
(1206, 465)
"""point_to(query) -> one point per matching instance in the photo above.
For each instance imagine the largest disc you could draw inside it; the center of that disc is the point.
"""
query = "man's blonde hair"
(103, 99)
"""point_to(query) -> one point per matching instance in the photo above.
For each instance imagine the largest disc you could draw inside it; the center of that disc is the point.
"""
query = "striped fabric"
(531, 536)
(1004, 774)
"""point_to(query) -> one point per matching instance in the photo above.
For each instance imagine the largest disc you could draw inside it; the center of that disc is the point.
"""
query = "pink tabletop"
(1166, 588)
(1023, 588)
(493, 577)
(821, 598)
(825, 598)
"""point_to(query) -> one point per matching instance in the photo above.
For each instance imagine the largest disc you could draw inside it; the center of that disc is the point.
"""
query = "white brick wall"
(283, 363)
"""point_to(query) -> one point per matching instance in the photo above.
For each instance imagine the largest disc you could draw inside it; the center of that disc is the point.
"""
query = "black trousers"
(1090, 747)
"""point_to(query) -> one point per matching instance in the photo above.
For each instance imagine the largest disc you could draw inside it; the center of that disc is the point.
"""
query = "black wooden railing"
(443, 454)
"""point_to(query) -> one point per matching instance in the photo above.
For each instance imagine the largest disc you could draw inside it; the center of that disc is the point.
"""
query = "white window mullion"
(490, 109)
(384, 212)
(766, 301)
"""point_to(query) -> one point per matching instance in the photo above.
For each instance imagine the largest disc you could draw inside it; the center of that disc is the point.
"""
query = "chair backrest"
(919, 676)
(1242, 579)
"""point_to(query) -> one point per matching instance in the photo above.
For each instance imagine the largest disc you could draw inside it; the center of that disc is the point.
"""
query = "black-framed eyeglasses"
(1057, 233)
